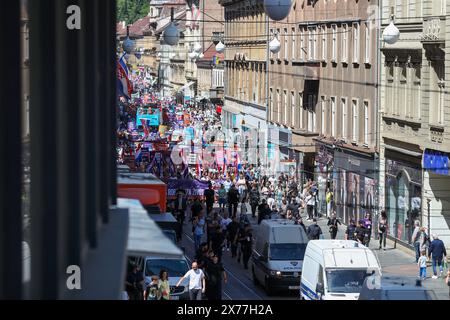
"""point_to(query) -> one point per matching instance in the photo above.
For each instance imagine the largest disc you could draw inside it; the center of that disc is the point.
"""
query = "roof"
(137, 178)
(138, 28)
(211, 52)
(336, 244)
(145, 238)
(121, 28)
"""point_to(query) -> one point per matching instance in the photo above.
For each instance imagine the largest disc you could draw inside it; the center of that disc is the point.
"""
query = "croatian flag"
(123, 82)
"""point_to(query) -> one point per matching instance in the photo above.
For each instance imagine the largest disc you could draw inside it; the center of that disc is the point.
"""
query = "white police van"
(336, 269)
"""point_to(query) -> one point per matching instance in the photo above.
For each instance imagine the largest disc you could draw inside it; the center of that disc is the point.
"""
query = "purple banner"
(191, 187)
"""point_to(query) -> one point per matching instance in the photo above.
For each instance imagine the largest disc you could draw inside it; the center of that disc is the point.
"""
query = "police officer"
(350, 231)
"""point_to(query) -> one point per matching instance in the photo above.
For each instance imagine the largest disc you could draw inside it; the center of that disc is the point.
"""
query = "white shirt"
(195, 278)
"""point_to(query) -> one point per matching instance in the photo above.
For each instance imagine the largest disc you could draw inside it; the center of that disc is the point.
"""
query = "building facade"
(323, 100)
(245, 103)
(415, 105)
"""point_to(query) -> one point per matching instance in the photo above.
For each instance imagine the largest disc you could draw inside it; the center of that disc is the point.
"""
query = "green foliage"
(132, 10)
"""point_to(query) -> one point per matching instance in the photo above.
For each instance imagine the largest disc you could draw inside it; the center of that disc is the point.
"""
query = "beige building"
(323, 99)
(245, 106)
(415, 117)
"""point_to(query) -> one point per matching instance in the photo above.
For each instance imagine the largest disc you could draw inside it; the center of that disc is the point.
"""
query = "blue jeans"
(423, 272)
(197, 241)
(195, 294)
(437, 261)
(417, 250)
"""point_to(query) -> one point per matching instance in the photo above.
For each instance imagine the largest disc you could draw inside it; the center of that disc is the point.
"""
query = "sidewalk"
(395, 262)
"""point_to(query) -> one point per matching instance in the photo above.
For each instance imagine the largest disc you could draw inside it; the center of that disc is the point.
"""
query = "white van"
(336, 269)
(278, 255)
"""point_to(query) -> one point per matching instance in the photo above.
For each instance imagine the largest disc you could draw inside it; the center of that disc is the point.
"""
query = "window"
(366, 122)
(324, 43)
(311, 113)
(334, 43)
(300, 108)
(333, 116)
(344, 118)
(355, 120)
(344, 43)
(286, 110)
(367, 44)
(278, 106)
(302, 44)
(323, 119)
(286, 44)
(293, 108)
(279, 36)
(271, 101)
(356, 42)
(294, 47)
(312, 45)
(271, 37)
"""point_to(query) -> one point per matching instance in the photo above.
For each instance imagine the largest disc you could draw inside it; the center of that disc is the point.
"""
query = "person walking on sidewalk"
(333, 224)
(254, 200)
(422, 264)
(437, 253)
(314, 230)
(350, 232)
(310, 203)
(416, 239)
(196, 282)
(382, 229)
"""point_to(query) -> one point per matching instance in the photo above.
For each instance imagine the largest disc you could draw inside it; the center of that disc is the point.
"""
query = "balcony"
(433, 30)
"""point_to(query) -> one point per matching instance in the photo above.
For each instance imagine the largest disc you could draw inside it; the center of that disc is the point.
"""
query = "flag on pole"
(124, 85)
(195, 16)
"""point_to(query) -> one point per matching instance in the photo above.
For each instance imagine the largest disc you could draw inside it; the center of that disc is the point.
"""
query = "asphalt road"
(240, 285)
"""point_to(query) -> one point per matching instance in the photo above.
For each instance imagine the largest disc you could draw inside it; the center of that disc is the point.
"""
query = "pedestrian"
(314, 231)
(232, 231)
(217, 242)
(233, 200)
(243, 207)
(416, 239)
(199, 226)
(215, 273)
(246, 244)
(300, 222)
(424, 240)
(274, 214)
(382, 229)
(368, 225)
(209, 198)
(254, 200)
(222, 193)
(152, 291)
(329, 201)
(163, 285)
(310, 204)
(181, 206)
(437, 253)
(196, 282)
(196, 208)
(333, 223)
(134, 284)
(350, 232)
(361, 232)
(422, 264)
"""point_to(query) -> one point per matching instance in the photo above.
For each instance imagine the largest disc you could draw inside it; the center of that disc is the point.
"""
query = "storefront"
(403, 198)
(354, 181)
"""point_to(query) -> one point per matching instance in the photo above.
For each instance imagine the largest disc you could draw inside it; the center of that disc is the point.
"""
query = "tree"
(132, 10)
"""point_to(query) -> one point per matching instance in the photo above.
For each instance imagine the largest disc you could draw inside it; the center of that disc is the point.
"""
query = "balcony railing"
(433, 30)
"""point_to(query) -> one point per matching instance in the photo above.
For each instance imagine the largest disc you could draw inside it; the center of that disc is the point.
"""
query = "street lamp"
(391, 33)
(220, 47)
(274, 45)
(277, 9)
(171, 33)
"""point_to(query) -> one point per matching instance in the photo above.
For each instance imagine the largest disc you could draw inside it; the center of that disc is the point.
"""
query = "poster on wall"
(353, 196)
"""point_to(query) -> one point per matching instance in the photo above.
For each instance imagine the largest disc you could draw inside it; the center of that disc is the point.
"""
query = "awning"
(145, 196)
(144, 236)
